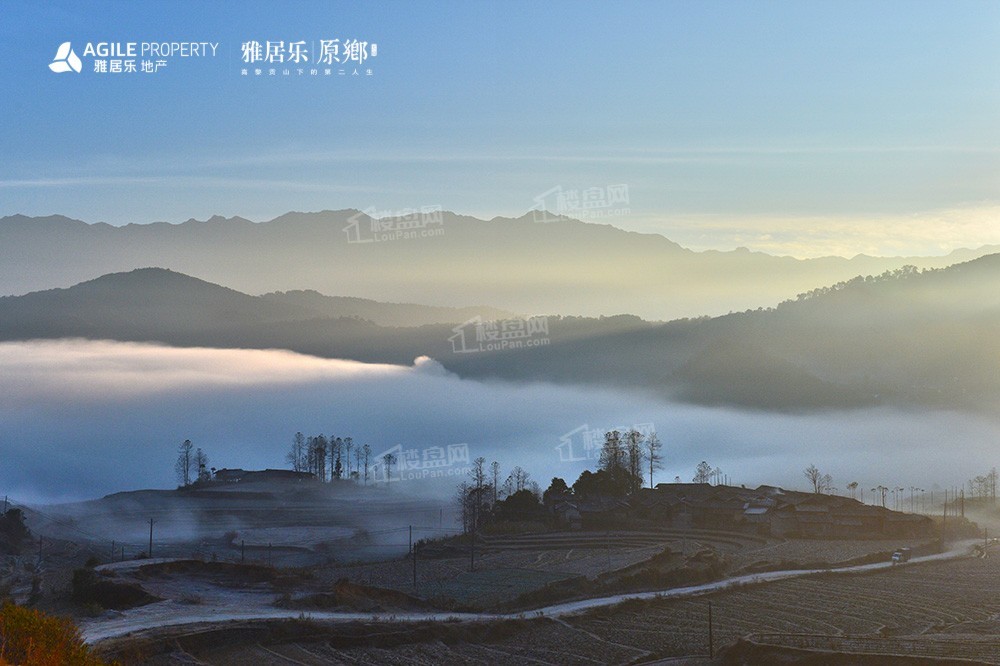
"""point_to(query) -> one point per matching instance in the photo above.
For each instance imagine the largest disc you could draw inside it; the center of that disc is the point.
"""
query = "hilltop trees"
(185, 462)
(821, 483)
(481, 500)
(703, 473)
(620, 465)
(365, 457)
(336, 464)
(634, 456)
(984, 486)
(348, 445)
(201, 465)
(495, 475)
(330, 458)
(623, 461)
(296, 456)
(389, 459)
(653, 455)
(557, 487)
(191, 465)
(316, 457)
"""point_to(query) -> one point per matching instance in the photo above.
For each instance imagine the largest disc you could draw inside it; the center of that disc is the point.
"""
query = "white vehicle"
(901, 555)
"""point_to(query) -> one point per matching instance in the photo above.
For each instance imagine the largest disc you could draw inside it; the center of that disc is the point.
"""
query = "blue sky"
(792, 127)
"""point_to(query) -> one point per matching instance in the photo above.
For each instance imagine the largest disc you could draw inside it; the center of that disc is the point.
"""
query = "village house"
(765, 511)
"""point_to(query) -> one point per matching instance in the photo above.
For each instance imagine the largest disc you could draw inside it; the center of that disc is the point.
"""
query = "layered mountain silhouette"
(903, 337)
(563, 266)
(159, 304)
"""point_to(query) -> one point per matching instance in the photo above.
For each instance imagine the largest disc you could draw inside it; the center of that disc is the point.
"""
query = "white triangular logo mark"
(66, 60)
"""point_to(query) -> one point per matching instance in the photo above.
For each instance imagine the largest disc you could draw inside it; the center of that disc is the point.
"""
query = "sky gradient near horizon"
(802, 128)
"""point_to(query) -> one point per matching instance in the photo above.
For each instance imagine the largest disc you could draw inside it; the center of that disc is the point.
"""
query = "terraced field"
(935, 609)
(508, 566)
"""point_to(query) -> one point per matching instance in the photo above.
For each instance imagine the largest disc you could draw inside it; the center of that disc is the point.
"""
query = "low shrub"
(28, 636)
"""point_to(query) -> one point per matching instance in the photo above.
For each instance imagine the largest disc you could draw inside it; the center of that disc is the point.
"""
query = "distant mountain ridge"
(928, 338)
(155, 304)
(563, 266)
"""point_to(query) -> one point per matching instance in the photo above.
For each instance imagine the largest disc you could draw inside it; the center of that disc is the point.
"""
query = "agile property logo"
(125, 58)
(66, 60)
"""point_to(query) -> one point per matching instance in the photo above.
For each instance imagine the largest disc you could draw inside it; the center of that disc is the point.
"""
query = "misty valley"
(496, 479)
(499, 333)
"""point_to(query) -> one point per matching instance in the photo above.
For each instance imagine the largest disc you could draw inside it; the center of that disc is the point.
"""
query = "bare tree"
(388, 460)
(820, 482)
(634, 458)
(201, 464)
(703, 473)
(348, 445)
(462, 498)
(366, 456)
(336, 466)
(296, 456)
(495, 474)
(184, 463)
(653, 455)
(519, 478)
(317, 447)
(478, 475)
(508, 485)
(612, 454)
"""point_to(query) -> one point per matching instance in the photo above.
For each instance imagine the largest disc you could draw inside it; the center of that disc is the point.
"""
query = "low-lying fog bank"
(80, 419)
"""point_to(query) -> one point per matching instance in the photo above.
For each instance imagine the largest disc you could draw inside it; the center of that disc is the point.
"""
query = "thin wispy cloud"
(929, 233)
(181, 181)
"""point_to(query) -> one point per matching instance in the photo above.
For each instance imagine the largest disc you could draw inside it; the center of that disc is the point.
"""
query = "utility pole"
(944, 513)
(472, 550)
(112, 550)
(150, 551)
(413, 554)
(711, 643)
(411, 538)
(243, 551)
(39, 566)
(5, 504)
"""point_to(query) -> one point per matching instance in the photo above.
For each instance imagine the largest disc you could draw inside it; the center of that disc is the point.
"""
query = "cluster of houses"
(766, 510)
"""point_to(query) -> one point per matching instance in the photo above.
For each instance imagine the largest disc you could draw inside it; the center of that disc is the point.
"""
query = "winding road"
(175, 614)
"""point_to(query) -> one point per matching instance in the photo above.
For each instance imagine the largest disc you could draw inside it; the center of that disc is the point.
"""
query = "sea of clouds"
(81, 419)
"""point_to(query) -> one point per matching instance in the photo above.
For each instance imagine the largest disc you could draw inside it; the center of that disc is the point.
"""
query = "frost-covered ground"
(214, 605)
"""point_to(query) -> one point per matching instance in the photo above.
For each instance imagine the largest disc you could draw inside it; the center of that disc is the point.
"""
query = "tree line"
(624, 461)
(330, 458)
(191, 465)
